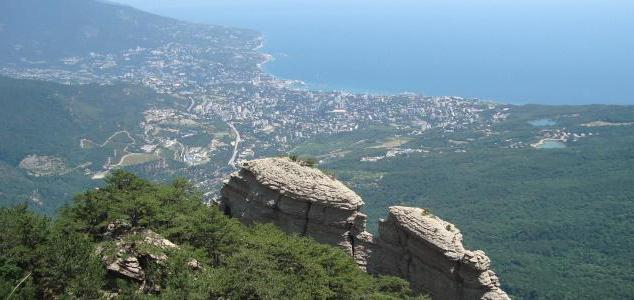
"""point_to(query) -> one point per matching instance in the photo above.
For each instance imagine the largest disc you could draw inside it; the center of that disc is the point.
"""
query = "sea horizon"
(509, 59)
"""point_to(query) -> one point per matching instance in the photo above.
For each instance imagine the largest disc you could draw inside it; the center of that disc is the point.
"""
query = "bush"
(258, 262)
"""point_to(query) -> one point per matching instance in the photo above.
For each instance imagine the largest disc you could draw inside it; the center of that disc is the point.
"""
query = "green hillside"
(50, 120)
(38, 32)
(557, 223)
(214, 257)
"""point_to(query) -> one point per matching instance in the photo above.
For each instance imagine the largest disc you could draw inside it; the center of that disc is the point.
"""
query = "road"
(191, 106)
(232, 161)
(83, 141)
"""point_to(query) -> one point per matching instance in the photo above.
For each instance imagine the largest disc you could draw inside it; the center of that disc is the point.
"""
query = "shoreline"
(298, 84)
(318, 87)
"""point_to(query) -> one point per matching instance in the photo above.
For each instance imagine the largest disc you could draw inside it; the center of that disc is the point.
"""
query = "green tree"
(21, 235)
(216, 257)
(70, 266)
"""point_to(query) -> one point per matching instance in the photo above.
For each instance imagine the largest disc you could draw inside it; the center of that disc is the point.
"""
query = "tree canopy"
(48, 258)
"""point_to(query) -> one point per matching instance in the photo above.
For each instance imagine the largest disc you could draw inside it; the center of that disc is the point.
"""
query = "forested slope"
(556, 222)
(50, 120)
(135, 239)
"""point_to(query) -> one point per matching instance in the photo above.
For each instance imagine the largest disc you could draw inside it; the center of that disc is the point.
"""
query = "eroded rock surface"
(412, 244)
(428, 252)
(298, 199)
(133, 251)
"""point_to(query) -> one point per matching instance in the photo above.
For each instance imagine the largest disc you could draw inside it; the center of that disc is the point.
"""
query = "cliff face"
(412, 243)
(297, 199)
(428, 252)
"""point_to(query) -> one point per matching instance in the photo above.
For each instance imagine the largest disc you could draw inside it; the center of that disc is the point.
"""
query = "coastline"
(299, 84)
(267, 67)
(292, 84)
(305, 85)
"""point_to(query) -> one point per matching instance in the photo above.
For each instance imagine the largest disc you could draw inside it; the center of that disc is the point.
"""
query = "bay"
(545, 52)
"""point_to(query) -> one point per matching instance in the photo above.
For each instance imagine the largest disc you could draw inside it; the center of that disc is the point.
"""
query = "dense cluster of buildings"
(266, 115)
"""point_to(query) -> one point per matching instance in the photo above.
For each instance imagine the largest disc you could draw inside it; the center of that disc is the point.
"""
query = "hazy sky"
(601, 23)
(564, 7)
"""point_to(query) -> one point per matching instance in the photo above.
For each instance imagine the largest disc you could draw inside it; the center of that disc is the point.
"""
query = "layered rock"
(413, 244)
(428, 252)
(298, 199)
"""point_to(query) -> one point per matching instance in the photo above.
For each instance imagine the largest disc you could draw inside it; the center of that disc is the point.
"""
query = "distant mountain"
(38, 31)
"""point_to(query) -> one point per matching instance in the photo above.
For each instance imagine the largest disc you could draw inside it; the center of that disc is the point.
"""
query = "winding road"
(232, 161)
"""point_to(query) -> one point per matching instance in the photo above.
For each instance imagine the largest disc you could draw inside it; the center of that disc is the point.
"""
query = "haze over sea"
(520, 51)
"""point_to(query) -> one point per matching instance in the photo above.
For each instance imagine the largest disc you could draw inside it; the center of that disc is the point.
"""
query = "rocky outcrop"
(412, 243)
(428, 252)
(131, 250)
(298, 199)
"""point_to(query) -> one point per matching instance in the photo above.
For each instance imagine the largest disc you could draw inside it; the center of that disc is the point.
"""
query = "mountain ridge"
(28, 38)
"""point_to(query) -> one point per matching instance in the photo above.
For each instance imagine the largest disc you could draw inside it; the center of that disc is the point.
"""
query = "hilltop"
(412, 243)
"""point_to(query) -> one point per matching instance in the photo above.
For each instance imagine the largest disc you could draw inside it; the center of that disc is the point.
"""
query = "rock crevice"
(412, 244)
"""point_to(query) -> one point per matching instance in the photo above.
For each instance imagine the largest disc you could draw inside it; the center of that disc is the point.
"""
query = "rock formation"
(428, 252)
(412, 243)
(298, 199)
(134, 250)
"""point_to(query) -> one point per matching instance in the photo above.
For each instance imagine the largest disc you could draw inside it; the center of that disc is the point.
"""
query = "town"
(232, 110)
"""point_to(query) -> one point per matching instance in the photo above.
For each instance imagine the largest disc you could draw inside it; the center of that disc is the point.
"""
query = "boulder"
(135, 250)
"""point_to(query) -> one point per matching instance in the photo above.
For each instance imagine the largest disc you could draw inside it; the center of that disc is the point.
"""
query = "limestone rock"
(127, 266)
(476, 260)
(152, 238)
(116, 229)
(300, 182)
(441, 235)
(428, 251)
(131, 253)
(194, 265)
(413, 244)
(297, 198)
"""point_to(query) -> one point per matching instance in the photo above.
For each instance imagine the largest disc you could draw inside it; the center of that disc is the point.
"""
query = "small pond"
(542, 122)
(551, 144)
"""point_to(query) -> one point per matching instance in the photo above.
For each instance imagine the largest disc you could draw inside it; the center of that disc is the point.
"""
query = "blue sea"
(520, 51)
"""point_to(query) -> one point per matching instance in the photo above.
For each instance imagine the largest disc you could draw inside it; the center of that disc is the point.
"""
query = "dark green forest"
(557, 223)
(44, 118)
(65, 257)
(48, 118)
